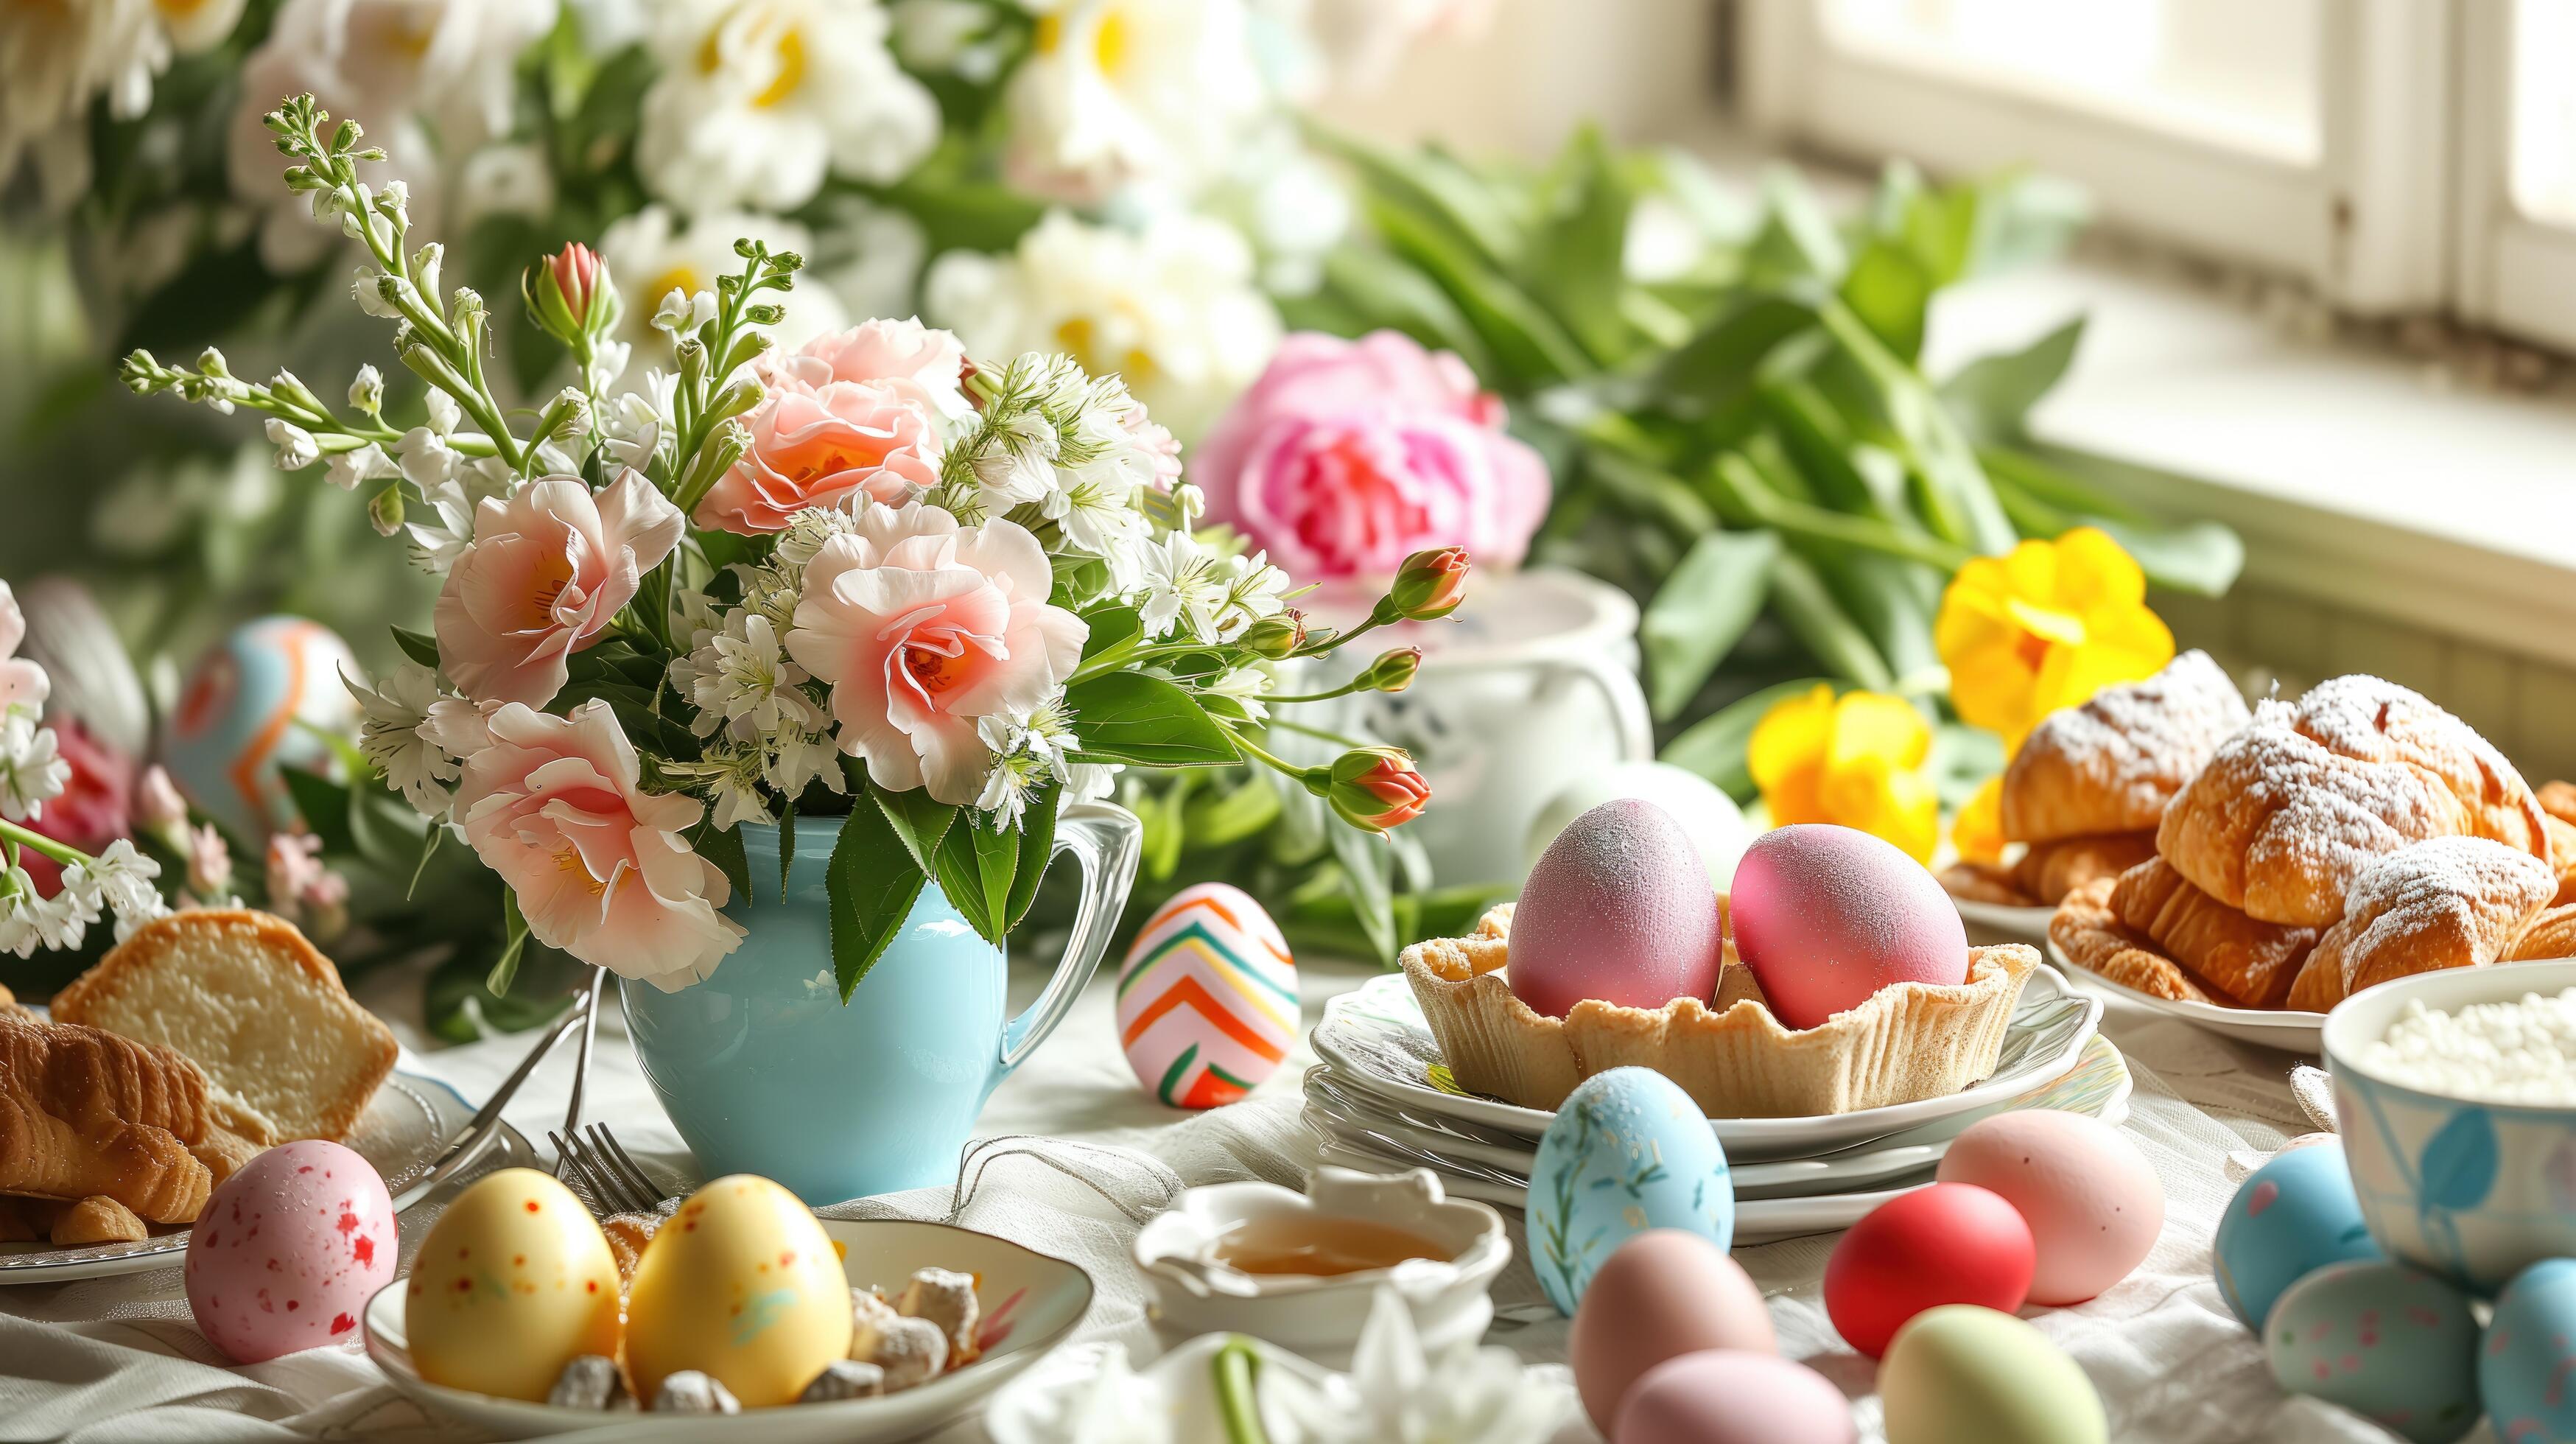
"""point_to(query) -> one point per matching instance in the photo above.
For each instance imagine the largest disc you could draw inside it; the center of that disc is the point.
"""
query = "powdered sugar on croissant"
(2379, 721)
(2112, 764)
(2453, 902)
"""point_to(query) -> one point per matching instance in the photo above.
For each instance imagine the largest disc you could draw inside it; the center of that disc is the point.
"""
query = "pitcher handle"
(1634, 726)
(1104, 839)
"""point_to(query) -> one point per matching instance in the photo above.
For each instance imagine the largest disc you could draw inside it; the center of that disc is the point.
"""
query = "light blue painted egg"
(2390, 1343)
(2527, 1371)
(248, 705)
(2295, 1215)
(1629, 1151)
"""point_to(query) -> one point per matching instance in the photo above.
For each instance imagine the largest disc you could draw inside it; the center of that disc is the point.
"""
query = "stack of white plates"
(1383, 1100)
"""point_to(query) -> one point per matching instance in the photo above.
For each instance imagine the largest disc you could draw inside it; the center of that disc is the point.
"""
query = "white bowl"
(1035, 1299)
(1321, 1317)
(2466, 1188)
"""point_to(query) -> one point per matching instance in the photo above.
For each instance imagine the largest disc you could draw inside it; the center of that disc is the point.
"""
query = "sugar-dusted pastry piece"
(2049, 871)
(2091, 935)
(2278, 823)
(2562, 853)
(85, 1112)
(844, 1379)
(2453, 902)
(2111, 765)
(2376, 720)
(97, 1219)
(2551, 933)
(946, 1298)
(588, 1381)
(627, 1234)
(2253, 963)
(691, 1392)
(910, 1351)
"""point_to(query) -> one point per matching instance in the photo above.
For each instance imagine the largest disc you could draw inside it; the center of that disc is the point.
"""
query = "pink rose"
(921, 627)
(545, 573)
(554, 805)
(820, 445)
(1348, 456)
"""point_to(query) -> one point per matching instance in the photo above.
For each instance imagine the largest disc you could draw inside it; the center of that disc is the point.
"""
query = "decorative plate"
(406, 1127)
(1757, 1220)
(2282, 1028)
(1375, 1038)
(1033, 1301)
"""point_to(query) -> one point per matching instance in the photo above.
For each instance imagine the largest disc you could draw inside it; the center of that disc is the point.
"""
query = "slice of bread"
(242, 993)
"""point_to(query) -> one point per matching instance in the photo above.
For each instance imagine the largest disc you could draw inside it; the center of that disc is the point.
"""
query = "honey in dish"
(1300, 1243)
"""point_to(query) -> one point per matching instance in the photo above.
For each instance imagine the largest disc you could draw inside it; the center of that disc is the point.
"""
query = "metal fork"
(608, 1173)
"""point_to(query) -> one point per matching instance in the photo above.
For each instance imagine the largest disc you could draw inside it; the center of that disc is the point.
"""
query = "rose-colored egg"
(1949, 1243)
(1733, 1396)
(1825, 916)
(1618, 908)
(2093, 1205)
(288, 1250)
(1662, 1294)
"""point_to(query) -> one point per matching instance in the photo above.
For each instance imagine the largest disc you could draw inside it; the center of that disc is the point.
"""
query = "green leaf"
(1037, 848)
(1957, 500)
(2202, 558)
(1889, 289)
(919, 819)
(1797, 239)
(1575, 262)
(1992, 395)
(1368, 868)
(1438, 193)
(786, 845)
(324, 806)
(1130, 717)
(514, 932)
(975, 865)
(1386, 290)
(1115, 631)
(1885, 597)
(1714, 747)
(421, 647)
(1716, 369)
(723, 847)
(872, 882)
(1808, 609)
(1700, 611)
(1526, 342)
(1222, 818)
(429, 842)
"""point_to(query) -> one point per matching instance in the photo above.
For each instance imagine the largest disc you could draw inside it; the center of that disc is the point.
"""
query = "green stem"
(1276, 763)
(1108, 662)
(28, 837)
(1317, 733)
(1238, 1402)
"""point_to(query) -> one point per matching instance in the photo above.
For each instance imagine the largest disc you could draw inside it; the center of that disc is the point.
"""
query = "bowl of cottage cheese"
(2455, 1095)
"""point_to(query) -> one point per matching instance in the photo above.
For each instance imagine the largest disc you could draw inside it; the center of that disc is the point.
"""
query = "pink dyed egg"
(1618, 908)
(2093, 1204)
(1733, 1396)
(1664, 1293)
(1825, 916)
(288, 1251)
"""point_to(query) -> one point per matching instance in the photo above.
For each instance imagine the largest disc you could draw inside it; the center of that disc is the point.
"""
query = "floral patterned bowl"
(2469, 1189)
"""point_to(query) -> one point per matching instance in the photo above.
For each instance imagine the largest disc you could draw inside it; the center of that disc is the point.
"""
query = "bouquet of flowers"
(935, 599)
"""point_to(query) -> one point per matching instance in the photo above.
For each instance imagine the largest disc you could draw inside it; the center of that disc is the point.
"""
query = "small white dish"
(1031, 1302)
(2281, 1028)
(1322, 1316)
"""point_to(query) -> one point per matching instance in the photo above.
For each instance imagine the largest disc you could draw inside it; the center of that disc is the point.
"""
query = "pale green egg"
(1961, 1374)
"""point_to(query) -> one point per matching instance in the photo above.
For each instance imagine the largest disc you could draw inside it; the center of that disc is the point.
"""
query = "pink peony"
(922, 627)
(861, 412)
(555, 806)
(546, 572)
(1348, 456)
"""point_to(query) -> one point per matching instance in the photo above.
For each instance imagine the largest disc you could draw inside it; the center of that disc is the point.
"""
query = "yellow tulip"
(1856, 760)
(2046, 626)
(1978, 831)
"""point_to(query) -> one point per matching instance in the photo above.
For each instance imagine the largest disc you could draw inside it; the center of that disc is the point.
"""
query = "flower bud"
(1430, 584)
(158, 808)
(1375, 788)
(385, 512)
(1393, 670)
(367, 390)
(569, 293)
(1276, 636)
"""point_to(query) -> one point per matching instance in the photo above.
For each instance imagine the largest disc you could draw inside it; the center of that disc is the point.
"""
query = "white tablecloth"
(119, 1359)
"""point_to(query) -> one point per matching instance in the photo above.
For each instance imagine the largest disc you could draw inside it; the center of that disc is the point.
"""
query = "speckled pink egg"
(1733, 1396)
(1825, 916)
(288, 1251)
(1619, 908)
(2093, 1204)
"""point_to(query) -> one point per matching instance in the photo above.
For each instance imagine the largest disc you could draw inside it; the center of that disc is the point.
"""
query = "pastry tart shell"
(1909, 1041)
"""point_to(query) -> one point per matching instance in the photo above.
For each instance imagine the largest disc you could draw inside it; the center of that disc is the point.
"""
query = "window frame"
(2517, 273)
(2367, 224)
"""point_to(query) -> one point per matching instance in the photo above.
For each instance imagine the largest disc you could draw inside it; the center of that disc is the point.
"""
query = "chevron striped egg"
(1207, 999)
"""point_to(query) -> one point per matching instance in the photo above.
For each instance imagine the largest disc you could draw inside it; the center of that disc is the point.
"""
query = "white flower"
(796, 759)
(1254, 589)
(459, 726)
(63, 920)
(31, 771)
(730, 776)
(758, 99)
(367, 390)
(126, 880)
(296, 448)
(55, 58)
(654, 253)
(742, 680)
(348, 468)
(1244, 687)
(634, 421)
(444, 412)
(504, 180)
(809, 529)
(436, 544)
(1005, 794)
(1185, 584)
(367, 288)
(1126, 93)
(682, 312)
(1171, 309)
(389, 734)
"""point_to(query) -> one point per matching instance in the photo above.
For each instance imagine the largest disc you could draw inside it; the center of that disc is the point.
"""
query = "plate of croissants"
(201, 1040)
(2284, 857)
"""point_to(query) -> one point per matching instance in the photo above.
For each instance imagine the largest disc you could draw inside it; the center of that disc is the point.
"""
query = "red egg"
(1618, 908)
(1950, 1243)
(1825, 916)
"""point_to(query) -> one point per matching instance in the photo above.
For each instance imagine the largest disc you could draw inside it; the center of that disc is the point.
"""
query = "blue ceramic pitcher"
(764, 1070)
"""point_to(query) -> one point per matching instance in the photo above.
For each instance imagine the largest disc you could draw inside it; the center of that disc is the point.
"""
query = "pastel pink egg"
(1826, 916)
(1733, 1396)
(2093, 1204)
(1618, 908)
(1662, 1294)
(288, 1251)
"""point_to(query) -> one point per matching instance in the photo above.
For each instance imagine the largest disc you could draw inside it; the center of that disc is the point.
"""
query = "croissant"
(2378, 721)
(2252, 962)
(2091, 935)
(2453, 902)
(2051, 870)
(2111, 765)
(83, 1113)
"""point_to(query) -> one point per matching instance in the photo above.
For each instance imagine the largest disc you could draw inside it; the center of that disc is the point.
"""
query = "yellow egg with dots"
(513, 1281)
(741, 1284)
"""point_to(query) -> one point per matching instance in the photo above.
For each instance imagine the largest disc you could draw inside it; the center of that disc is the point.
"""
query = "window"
(2518, 168)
